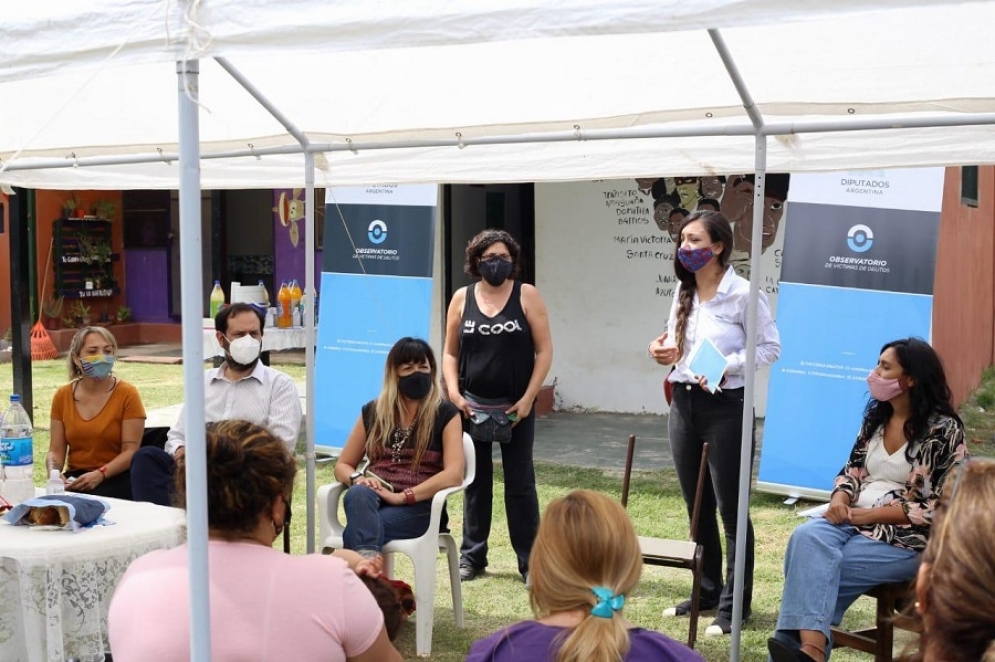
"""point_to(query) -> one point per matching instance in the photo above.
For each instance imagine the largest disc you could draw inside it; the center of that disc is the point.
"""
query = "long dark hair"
(389, 410)
(929, 395)
(720, 231)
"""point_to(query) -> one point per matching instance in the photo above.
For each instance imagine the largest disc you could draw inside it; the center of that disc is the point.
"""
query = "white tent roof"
(99, 80)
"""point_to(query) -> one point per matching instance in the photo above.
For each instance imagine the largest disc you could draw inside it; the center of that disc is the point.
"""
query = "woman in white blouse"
(711, 302)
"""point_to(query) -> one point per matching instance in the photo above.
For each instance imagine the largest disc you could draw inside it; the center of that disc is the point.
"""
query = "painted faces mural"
(732, 195)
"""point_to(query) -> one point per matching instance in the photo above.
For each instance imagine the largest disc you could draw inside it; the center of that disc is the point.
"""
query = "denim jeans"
(371, 523)
(826, 567)
(697, 416)
(521, 502)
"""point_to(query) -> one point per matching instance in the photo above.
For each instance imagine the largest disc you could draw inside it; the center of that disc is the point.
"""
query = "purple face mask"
(694, 259)
(883, 389)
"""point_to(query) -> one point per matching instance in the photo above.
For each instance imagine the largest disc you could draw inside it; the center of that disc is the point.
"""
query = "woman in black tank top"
(498, 347)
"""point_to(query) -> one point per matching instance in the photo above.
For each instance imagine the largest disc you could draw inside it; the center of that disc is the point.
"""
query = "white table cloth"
(56, 586)
(274, 339)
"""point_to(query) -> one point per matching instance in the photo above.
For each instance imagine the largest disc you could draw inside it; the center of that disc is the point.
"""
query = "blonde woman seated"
(584, 564)
(955, 590)
(97, 420)
(414, 440)
(265, 605)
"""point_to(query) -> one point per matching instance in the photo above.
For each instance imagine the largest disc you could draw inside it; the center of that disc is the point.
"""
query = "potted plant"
(70, 206)
(81, 313)
(87, 247)
(123, 314)
(101, 252)
(104, 209)
(53, 309)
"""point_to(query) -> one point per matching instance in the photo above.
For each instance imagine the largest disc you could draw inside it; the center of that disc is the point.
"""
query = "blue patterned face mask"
(693, 259)
(98, 366)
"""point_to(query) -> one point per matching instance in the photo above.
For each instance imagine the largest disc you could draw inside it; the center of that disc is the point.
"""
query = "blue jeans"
(371, 523)
(826, 567)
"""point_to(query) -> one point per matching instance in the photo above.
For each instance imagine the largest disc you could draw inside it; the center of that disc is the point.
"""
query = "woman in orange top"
(97, 420)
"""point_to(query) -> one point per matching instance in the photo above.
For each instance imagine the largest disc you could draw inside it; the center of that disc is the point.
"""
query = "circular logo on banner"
(859, 238)
(377, 232)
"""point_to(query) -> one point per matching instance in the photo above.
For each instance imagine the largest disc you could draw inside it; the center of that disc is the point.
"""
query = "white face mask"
(244, 350)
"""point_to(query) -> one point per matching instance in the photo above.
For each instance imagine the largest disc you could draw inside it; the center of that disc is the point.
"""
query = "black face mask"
(415, 386)
(495, 270)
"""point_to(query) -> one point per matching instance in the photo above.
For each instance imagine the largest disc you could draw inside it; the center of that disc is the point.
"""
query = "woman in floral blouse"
(881, 510)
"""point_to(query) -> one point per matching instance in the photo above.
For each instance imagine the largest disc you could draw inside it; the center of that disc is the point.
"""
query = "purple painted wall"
(288, 225)
(146, 272)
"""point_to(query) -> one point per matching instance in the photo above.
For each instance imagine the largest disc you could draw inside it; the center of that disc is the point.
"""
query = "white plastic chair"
(423, 551)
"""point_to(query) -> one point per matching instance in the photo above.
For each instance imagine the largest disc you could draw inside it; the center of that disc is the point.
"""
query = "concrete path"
(600, 440)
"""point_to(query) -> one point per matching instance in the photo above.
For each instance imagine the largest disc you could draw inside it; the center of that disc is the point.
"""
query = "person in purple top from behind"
(584, 563)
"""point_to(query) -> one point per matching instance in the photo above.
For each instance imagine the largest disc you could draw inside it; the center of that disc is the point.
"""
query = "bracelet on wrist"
(409, 496)
(103, 472)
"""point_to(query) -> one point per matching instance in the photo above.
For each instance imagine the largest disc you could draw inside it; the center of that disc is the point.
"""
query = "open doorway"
(470, 208)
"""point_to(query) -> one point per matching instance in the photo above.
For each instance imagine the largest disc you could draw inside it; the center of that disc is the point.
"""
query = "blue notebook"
(707, 360)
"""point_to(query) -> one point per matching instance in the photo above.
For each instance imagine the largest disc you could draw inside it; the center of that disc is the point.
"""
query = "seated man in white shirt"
(242, 388)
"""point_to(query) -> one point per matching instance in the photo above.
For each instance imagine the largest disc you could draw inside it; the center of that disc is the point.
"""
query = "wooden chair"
(880, 639)
(675, 553)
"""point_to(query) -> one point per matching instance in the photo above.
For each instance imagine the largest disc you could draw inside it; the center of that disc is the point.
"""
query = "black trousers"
(696, 417)
(521, 503)
(153, 472)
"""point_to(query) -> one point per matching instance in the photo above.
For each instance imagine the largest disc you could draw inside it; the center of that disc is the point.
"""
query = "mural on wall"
(289, 211)
(289, 214)
(614, 241)
(673, 199)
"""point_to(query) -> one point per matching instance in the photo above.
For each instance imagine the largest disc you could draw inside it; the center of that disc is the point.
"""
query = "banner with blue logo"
(376, 287)
(858, 270)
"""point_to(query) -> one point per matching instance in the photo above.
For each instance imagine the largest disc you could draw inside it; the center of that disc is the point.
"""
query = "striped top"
(399, 474)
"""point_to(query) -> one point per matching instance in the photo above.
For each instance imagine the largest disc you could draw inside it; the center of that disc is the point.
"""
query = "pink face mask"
(883, 389)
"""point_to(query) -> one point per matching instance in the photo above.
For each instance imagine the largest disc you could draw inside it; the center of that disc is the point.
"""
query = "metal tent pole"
(746, 441)
(635, 133)
(749, 395)
(309, 309)
(188, 72)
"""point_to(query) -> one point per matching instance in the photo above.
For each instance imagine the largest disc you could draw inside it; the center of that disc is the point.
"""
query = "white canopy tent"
(98, 82)
(483, 91)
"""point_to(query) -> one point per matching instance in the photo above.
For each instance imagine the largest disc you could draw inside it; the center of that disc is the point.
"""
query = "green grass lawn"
(499, 598)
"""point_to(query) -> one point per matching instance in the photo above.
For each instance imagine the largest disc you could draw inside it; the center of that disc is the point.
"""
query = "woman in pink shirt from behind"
(265, 605)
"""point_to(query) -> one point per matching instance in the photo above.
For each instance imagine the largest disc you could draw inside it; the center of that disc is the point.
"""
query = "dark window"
(969, 186)
(145, 217)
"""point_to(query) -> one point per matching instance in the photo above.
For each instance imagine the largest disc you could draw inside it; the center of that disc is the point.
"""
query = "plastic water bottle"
(295, 298)
(217, 298)
(17, 453)
(265, 300)
(55, 484)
